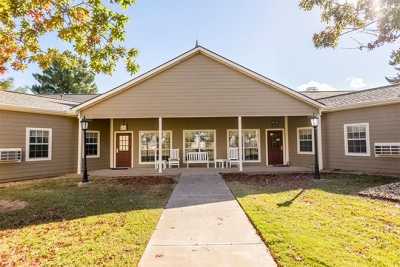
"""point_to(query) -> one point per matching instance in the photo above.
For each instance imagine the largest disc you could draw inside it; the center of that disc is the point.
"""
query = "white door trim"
(266, 143)
(115, 143)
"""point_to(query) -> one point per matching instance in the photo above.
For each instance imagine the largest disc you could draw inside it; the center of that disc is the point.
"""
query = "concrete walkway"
(203, 225)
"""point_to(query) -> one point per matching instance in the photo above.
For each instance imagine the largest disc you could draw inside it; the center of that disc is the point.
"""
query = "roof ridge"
(363, 90)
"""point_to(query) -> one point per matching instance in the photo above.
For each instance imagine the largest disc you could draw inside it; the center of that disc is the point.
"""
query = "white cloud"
(357, 83)
(318, 85)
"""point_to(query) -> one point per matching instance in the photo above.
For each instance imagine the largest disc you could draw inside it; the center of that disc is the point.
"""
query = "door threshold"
(119, 168)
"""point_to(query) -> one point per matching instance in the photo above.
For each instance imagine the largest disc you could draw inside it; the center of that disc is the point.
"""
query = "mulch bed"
(264, 179)
(387, 192)
(140, 180)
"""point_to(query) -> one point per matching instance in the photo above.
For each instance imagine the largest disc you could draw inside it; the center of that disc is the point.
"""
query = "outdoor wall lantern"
(315, 123)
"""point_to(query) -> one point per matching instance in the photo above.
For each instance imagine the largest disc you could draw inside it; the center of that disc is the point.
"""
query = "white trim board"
(212, 55)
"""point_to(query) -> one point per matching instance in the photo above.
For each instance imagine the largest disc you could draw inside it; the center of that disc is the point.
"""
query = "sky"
(271, 37)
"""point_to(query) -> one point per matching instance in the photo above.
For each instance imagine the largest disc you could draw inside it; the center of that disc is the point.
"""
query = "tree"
(90, 30)
(376, 22)
(8, 85)
(58, 79)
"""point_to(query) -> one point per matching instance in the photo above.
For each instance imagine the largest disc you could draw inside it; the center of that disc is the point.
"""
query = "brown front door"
(123, 150)
(275, 147)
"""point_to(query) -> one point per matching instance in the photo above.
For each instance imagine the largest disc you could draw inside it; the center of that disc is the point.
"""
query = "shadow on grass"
(290, 201)
(55, 200)
(343, 184)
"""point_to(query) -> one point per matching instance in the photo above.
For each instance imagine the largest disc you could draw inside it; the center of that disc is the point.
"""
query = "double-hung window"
(148, 150)
(305, 140)
(250, 143)
(356, 139)
(93, 144)
(38, 144)
(199, 141)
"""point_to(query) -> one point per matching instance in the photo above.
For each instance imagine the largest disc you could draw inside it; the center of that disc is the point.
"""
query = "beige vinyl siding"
(177, 125)
(296, 159)
(384, 126)
(103, 162)
(64, 144)
(199, 87)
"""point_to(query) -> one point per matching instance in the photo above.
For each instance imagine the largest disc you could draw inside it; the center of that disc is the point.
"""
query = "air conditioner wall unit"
(10, 155)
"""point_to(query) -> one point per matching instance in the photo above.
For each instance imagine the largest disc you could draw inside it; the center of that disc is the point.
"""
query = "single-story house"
(199, 102)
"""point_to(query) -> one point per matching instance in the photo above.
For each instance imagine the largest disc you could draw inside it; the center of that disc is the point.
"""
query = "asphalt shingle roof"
(322, 94)
(390, 92)
(76, 98)
(33, 101)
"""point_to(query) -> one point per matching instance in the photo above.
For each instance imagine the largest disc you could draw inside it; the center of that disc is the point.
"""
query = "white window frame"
(312, 141)
(346, 145)
(27, 143)
(98, 144)
(198, 130)
(140, 145)
(258, 143)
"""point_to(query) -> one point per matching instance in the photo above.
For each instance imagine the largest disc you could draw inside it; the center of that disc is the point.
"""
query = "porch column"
(111, 143)
(160, 145)
(320, 150)
(240, 143)
(286, 158)
(79, 163)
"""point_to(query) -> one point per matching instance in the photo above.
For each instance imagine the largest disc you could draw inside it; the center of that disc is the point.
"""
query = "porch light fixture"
(123, 126)
(84, 124)
(315, 123)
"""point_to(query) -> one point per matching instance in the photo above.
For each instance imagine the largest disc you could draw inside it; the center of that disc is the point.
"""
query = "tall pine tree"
(58, 79)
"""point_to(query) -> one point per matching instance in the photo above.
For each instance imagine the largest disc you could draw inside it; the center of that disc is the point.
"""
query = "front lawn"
(107, 223)
(321, 223)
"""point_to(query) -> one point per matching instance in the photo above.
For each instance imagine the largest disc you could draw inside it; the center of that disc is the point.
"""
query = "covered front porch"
(269, 144)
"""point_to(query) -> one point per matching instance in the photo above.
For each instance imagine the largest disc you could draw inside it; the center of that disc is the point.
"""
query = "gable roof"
(32, 103)
(369, 97)
(212, 55)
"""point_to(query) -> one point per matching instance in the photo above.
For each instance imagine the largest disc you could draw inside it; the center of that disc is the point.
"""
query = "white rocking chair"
(233, 156)
(174, 159)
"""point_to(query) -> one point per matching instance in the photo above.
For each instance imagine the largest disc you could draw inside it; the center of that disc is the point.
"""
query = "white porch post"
(160, 145)
(79, 163)
(240, 143)
(111, 143)
(286, 161)
(320, 150)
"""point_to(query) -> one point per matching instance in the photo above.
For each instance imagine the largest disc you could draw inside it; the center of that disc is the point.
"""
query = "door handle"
(117, 150)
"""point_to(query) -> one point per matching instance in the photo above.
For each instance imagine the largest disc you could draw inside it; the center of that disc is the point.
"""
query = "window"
(305, 140)
(356, 139)
(199, 141)
(148, 151)
(93, 144)
(38, 144)
(251, 143)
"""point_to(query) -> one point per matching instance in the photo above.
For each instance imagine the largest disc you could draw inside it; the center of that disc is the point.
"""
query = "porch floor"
(148, 171)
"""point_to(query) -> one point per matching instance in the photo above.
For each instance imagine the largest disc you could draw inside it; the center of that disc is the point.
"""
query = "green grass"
(323, 223)
(107, 223)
